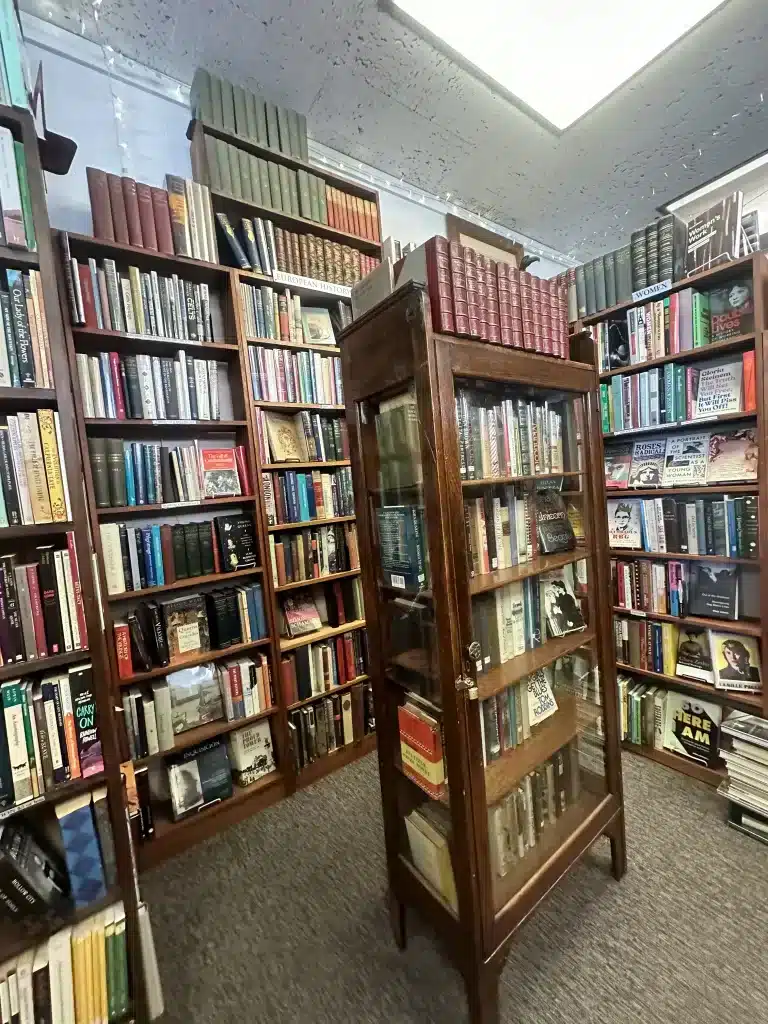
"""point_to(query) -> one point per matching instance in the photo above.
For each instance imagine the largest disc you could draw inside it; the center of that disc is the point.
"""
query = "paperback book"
(647, 463)
(694, 660)
(618, 464)
(736, 662)
(624, 524)
(685, 461)
(733, 456)
(692, 728)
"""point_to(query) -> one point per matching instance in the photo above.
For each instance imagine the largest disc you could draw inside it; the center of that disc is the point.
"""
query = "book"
(732, 310)
(735, 662)
(237, 542)
(713, 591)
(733, 456)
(81, 849)
(198, 777)
(562, 610)
(714, 236)
(694, 660)
(618, 463)
(287, 440)
(251, 752)
(428, 828)
(647, 463)
(301, 614)
(186, 626)
(720, 388)
(402, 544)
(552, 523)
(624, 524)
(421, 747)
(692, 728)
(195, 697)
(317, 327)
(219, 472)
(685, 460)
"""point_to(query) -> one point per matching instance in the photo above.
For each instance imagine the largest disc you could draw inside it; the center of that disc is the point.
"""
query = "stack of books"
(331, 723)
(313, 554)
(315, 669)
(685, 587)
(293, 497)
(278, 375)
(175, 220)
(303, 437)
(662, 719)
(280, 316)
(17, 228)
(422, 744)
(25, 353)
(33, 478)
(744, 748)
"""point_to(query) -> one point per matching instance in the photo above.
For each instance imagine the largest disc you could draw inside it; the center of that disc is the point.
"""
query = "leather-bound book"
(162, 217)
(131, 200)
(439, 284)
(147, 216)
(101, 208)
(117, 203)
(473, 308)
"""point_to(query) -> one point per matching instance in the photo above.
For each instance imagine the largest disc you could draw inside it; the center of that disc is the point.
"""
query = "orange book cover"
(750, 397)
(123, 650)
(421, 750)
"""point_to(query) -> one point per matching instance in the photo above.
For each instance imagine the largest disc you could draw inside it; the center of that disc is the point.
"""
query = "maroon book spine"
(162, 217)
(459, 288)
(146, 216)
(503, 288)
(565, 345)
(494, 321)
(86, 289)
(516, 302)
(131, 200)
(117, 202)
(526, 310)
(439, 284)
(101, 208)
(482, 295)
(473, 308)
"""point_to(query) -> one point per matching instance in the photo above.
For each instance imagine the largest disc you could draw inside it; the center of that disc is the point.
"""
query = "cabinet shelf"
(207, 504)
(512, 671)
(314, 580)
(303, 346)
(328, 693)
(28, 668)
(544, 563)
(745, 626)
(291, 643)
(531, 478)
(752, 702)
(277, 527)
(716, 348)
(678, 556)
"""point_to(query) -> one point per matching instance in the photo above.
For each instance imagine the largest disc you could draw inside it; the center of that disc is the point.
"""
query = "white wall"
(128, 119)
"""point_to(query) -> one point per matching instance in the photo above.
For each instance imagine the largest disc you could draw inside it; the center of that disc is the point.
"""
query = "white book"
(150, 724)
(20, 472)
(157, 385)
(49, 707)
(649, 520)
(501, 624)
(193, 231)
(130, 316)
(146, 384)
(94, 372)
(213, 389)
(84, 377)
(35, 738)
(517, 618)
(71, 602)
(13, 221)
(113, 558)
(183, 383)
(213, 253)
(61, 583)
(106, 383)
(62, 464)
(24, 980)
(192, 463)
(152, 984)
(161, 693)
(720, 389)
(659, 718)
(21, 775)
(691, 529)
(661, 537)
(46, 371)
(197, 204)
(133, 557)
(201, 389)
(154, 285)
(60, 977)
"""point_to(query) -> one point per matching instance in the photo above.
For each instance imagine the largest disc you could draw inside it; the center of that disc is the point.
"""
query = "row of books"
(663, 719)
(25, 350)
(141, 303)
(676, 587)
(327, 725)
(313, 553)
(280, 316)
(130, 473)
(159, 634)
(41, 605)
(501, 437)
(472, 295)
(49, 734)
(17, 228)
(260, 245)
(231, 691)
(79, 973)
(677, 392)
(278, 375)
(315, 669)
(519, 822)
(176, 220)
(707, 457)
(304, 612)
(147, 387)
(729, 661)
(744, 748)
(293, 497)
(219, 103)
(522, 616)
(507, 718)
(33, 477)
(304, 437)
(685, 320)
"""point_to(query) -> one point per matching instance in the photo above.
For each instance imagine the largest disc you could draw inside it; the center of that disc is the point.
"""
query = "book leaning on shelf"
(25, 353)
(295, 497)
(176, 220)
(303, 437)
(280, 316)
(306, 611)
(329, 724)
(315, 669)
(663, 719)
(278, 375)
(312, 554)
(17, 229)
(154, 387)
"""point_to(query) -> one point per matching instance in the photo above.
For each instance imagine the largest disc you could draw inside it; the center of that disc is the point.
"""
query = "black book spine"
(213, 610)
(205, 546)
(158, 633)
(192, 388)
(10, 344)
(97, 450)
(192, 545)
(190, 311)
(8, 478)
(21, 332)
(15, 631)
(116, 472)
(709, 532)
(46, 573)
(141, 739)
(233, 630)
(139, 649)
(750, 531)
(137, 535)
(133, 387)
(60, 729)
(129, 414)
(126, 556)
(166, 476)
(179, 551)
(168, 376)
(146, 817)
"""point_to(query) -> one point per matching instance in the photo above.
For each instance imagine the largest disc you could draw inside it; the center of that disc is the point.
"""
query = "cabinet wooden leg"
(618, 849)
(483, 995)
(397, 920)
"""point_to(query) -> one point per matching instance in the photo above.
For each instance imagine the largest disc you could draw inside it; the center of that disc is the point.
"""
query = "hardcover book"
(301, 615)
(736, 662)
(713, 590)
(693, 657)
(552, 523)
(195, 697)
(720, 389)
(692, 728)
(198, 777)
(219, 470)
(81, 849)
(732, 310)
(237, 542)
(685, 461)
(733, 456)
(186, 626)
(618, 462)
(562, 610)
(251, 752)
(287, 440)
(403, 546)
(714, 236)
(647, 463)
(624, 524)
(618, 345)
(317, 327)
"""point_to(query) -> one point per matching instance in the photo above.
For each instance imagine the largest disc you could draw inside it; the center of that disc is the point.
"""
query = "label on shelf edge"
(651, 290)
(340, 291)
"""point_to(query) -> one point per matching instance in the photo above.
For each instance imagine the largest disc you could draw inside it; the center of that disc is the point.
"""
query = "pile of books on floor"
(745, 752)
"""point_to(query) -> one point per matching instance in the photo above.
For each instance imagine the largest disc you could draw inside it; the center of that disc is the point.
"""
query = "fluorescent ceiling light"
(735, 176)
(559, 57)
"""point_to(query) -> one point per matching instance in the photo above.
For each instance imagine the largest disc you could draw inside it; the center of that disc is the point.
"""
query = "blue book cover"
(253, 622)
(81, 850)
(311, 497)
(138, 472)
(149, 474)
(149, 561)
(301, 485)
(130, 479)
(730, 513)
(261, 619)
(157, 557)
(292, 498)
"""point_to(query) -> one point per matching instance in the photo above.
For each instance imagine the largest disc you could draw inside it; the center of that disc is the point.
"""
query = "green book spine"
(223, 162)
(274, 186)
(604, 408)
(669, 393)
(234, 171)
(266, 190)
(212, 161)
(228, 105)
(599, 272)
(294, 191)
(273, 134)
(589, 276)
(179, 552)
(283, 130)
(253, 170)
(262, 135)
(581, 292)
(314, 200)
(30, 743)
(304, 149)
(245, 175)
(679, 393)
(205, 539)
(609, 270)
(738, 509)
(321, 201)
(241, 116)
(217, 105)
(200, 97)
(615, 402)
(701, 320)
(305, 207)
(285, 188)
(26, 202)
(250, 116)
(293, 134)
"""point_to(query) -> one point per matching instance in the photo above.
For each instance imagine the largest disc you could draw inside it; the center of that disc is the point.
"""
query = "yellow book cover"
(88, 971)
(100, 969)
(78, 974)
(35, 467)
(45, 344)
(669, 636)
(52, 459)
(138, 302)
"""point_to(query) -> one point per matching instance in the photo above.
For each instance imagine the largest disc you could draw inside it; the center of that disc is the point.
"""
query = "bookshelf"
(749, 343)
(416, 403)
(24, 541)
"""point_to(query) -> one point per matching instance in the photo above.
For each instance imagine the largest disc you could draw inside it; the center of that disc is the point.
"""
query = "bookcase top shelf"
(197, 427)
(677, 555)
(249, 146)
(27, 668)
(742, 341)
(746, 626)
(532, 478)
(704, 423)
(183, 584)
(298, 405)
(661, 492)
(706, 279)
(202, 658)
(318, 464)
(27, 398)
(173, 506)
(745, 701)
(191, 737)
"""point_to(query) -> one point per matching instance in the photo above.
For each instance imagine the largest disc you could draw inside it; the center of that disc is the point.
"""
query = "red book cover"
(317, 487)
(482, 295)
(473, 309)
(339, 598)
(86, 289)
(341, 661)
(750, 400)
(123, 650)
(421, 749)
(131, 200)
(236, 688)
(288, 679)
(439, 284)
(146, 216)
(33, 584)
(117, 384)
(101, 208)
(494, 322)
(119, 215)
(242, 469)
(78, 591)
(216, 552)
(162, 218)
(349, 653)
(458, 289)
(346, 220)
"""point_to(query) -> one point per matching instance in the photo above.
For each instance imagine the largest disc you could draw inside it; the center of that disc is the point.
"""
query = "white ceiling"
(374, 91)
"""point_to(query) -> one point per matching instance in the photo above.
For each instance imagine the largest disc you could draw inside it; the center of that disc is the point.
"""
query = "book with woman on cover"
(618, 463)
(647, 463)
(694, 660)
(624, 524)
(736, 662)
(561, 607)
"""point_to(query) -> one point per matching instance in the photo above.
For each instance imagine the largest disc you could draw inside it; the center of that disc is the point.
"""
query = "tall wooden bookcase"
(423, 643)
(23, 540)
(755, 268)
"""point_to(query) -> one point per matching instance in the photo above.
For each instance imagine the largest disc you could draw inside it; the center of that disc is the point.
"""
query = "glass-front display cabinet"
(487, 597)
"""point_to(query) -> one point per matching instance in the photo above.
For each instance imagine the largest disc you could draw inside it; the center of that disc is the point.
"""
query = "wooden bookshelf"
(328, 578)
(34, 531)
(53, 796)
(543, 563)
(327, 693)
(754, 266)
(493, 481)
(96, 338)
(196, 659)
(206, 505)
(191, 737)
(28, 668)
(317, 464)
(497, 679)
(291, 643)
(710, 776)
(296, 406)
(330, 350)
(277, 527)
(188, 583)
(27, 398)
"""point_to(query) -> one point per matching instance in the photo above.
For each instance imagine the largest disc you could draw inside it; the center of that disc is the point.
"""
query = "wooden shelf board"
(205, 732)
(23, 258)
(299, 346)
(27, 398)
(173, 506)
(94, 338)
(291, 643)
(544, 563)
(328, 693)
(196, 659)
(491, 481)
(52, 796)
(191, 581)
(298, 405)
(306, 465)
(711, 776)
(745, 701)
(165, 263)
(735, 268)
(716, 347)
(336, 759)
(197, 427)
(704, 423)
(661, 492)
(747, 627)
(15, 937)
(26, 668)
(310, 522)
(314, 580)
(511, 671)
(572, 717)
(676, 556)
(34, 530)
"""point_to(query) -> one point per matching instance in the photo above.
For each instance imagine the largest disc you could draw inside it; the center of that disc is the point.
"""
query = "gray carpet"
(282, 918)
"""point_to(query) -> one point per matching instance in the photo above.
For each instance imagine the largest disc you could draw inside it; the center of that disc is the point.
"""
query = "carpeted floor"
(282, 918)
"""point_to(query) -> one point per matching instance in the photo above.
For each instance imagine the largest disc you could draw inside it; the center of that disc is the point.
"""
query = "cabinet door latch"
(468, 684)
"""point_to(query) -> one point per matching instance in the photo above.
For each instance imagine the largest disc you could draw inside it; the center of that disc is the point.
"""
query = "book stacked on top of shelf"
(148, 387)
(317, 668)
(278, 375)
(327, 725)
(744, 748)
(312, 554)
(302, 437)
(280, 316)
(663, 719)
(135, 473)
(159, 634)
(33, 477)
(137, 303)
(294, 497)
(192, 697)
(141, 557)
(25, 353)
(175, 220)
(17, 229)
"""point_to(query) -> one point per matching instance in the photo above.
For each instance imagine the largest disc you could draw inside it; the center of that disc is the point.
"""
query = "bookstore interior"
(381, 469)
